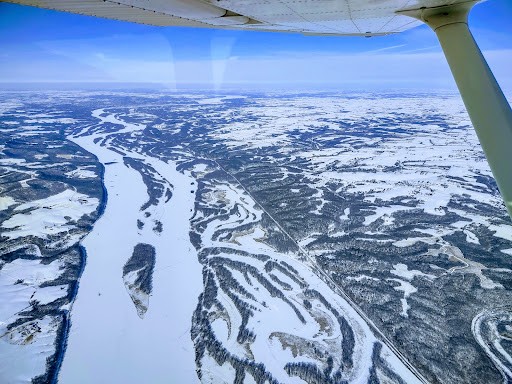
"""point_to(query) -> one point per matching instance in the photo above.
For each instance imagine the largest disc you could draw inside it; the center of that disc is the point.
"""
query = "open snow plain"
(240, 238)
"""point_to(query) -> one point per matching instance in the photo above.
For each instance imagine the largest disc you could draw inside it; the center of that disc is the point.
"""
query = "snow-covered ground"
(105, 323)
(274, 221)
(282, 336)
(491, 328)
(49, 216)
(24, 349)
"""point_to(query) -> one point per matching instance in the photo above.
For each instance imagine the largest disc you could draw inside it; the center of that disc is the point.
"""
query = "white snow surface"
(274, 322)
(121, 346)
(403, 271)
(432, 165)
(20, 363)
(485, 330)
(107, 338)
(82, 174)
(6, 202)
(31, 273)
(109, 341)
(49, 216)
(19, 287)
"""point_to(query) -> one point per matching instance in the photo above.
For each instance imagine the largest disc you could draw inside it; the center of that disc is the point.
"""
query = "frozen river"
(107, 338)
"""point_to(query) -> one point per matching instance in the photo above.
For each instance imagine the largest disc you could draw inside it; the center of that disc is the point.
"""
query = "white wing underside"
(336, 17)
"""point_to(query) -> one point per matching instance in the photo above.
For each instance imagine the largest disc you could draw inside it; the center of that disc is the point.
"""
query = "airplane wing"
(330, 17)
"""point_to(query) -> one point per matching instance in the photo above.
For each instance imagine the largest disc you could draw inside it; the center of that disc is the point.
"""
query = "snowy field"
(284, 238)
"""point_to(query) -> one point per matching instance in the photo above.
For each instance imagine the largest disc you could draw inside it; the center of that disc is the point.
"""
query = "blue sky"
(45, 46)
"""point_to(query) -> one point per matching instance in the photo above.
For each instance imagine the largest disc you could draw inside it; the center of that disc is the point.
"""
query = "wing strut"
(486, 104)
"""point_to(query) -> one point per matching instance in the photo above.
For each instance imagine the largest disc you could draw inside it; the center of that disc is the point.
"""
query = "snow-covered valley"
(282, 238)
